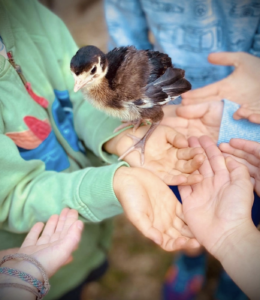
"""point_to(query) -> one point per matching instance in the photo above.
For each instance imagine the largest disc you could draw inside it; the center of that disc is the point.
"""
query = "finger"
(242, 113)
(72, 238)
(181, 227)
(192, 179)
(189, 152)
(33, 235)
(251, 147)
(71, 217)
(226, 58)
(251, 158)
(49, 230)
(216, 158)
(238, 172)
(209, 90)
(142, 222)
(183, 243)
(211, 98)
(62, 219)
(254, 118)
(194, 142)
(193, 111)
(191, 165)
(185, 191)
(176, 139)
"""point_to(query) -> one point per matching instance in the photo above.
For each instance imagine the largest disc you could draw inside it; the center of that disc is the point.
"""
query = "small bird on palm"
(129, 84)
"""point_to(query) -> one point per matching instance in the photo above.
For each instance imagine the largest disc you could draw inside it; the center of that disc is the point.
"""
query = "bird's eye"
(77, 73)
(93, 71)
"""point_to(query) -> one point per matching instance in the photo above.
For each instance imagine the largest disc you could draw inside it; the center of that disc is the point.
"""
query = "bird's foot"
(140, 143)
(135, 123)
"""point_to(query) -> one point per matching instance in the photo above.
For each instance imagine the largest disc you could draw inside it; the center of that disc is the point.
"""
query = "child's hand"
(167, 155)
(241, 86)
(250, 111)
(195, 120)
(152, 207)
(53, 249)
(221, 204)
(246, 152)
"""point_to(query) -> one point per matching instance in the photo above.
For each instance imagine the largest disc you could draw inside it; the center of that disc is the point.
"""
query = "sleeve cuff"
(96, 194)
(230, 128)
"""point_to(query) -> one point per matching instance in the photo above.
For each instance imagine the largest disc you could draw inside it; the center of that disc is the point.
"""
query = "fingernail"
(80, 225)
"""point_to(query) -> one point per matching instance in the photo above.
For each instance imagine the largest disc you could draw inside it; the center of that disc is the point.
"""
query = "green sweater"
(43, 168)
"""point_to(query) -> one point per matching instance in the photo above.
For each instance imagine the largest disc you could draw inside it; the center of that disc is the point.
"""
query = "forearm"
(240, 256)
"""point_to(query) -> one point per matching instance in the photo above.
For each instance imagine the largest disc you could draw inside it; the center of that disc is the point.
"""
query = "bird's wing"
(164, 89)
(115, 59)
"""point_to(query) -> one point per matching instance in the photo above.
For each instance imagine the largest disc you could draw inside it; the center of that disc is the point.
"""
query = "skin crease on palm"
(241, 86)
(195, 120)
(248, 153)
(158, 218)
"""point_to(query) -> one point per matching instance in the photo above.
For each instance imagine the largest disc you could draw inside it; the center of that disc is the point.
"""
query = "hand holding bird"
(167, 154)
(129, 84)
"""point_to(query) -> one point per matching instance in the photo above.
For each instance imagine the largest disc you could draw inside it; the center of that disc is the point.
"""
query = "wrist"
(118, 180)
(24, 266)
(119, 144)
(227, 245)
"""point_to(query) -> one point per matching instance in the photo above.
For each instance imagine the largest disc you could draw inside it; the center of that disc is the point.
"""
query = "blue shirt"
(187, 31)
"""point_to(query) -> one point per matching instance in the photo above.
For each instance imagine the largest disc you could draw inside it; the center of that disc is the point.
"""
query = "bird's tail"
(173, 82)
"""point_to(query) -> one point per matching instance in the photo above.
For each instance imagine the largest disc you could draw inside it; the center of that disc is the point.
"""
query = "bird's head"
(88, 66)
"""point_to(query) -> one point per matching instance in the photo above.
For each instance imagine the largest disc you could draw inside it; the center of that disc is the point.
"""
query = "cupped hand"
(241, 86)
(222, 202)
(152, 208)
(248, 153)
(167, 155)
(60, 237)
(195, 120)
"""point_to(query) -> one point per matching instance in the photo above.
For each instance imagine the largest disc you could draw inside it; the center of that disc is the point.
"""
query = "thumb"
(192, 111)
(225, 58)
(210, 90)
(238, 171)
(242, 113)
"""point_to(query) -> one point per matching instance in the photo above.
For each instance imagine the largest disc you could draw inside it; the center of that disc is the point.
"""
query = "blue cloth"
(231, 128)
(187, 31)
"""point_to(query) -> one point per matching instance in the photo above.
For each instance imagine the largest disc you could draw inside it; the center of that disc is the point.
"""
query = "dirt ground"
(137, 266)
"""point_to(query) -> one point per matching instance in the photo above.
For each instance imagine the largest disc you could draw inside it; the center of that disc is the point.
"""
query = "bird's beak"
(78, 84)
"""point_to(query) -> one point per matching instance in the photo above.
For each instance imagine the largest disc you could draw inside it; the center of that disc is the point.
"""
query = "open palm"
(58, 240)
(221, 202)
(195, 120)
(152, 207)
(168, 156)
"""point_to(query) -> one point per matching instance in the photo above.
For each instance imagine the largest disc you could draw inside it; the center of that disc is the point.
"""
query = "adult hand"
(167, 154)
(195, 120)
(241, 86)
(221, 204)
(152, 207)
(246, 152)
(60, 237)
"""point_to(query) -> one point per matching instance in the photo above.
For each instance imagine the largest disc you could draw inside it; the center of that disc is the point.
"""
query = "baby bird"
(129, 84)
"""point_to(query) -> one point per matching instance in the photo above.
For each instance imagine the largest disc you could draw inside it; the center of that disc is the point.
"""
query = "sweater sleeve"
(231, 128)
(30, 194)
